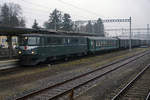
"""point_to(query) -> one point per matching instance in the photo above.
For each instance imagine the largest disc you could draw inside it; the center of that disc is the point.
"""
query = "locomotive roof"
(48, 35)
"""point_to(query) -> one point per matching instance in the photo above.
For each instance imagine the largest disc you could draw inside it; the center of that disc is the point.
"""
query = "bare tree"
(11, 15)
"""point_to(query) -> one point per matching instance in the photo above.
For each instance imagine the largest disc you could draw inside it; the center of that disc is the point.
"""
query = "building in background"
(4, 44)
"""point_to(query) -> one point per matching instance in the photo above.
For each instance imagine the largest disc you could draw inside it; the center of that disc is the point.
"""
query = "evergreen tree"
(67, 24)
(11, 15)
(89, 27)
(99, 27)
(5, 15)
(22, 22)
(35, 25)
(55, 20)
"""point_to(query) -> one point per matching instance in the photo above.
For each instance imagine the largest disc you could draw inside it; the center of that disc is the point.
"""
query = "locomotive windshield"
(29, 40)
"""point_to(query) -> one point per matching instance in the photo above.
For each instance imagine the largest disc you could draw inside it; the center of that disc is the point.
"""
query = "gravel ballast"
(24, 80)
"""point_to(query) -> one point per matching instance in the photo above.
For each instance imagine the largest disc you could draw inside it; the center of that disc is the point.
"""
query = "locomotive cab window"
(29, 40)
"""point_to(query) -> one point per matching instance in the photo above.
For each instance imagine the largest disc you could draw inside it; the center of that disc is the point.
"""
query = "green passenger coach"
(102, 43)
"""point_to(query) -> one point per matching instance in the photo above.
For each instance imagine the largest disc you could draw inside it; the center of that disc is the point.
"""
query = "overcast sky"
(87, 10)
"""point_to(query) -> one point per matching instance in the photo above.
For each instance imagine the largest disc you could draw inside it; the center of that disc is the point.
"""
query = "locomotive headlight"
(32, 52)
(19, 52)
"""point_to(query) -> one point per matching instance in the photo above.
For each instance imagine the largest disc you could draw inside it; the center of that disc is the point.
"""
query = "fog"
(87, 10)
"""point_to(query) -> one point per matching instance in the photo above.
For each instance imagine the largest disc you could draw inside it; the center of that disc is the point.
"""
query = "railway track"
(137, 88)
(58, 90)
(148, 96)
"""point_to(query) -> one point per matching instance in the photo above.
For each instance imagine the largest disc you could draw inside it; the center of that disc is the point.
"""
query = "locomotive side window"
(74, 41)
(54, 40)
(82, 41)
(33, 40)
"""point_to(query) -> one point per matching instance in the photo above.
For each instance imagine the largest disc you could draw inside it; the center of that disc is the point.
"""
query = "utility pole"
(147, 29)
(147, 33)
(130, 41)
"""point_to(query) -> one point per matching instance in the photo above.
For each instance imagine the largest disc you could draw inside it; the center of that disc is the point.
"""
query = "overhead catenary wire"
(45, 8)
(79, 8)
(42, 10)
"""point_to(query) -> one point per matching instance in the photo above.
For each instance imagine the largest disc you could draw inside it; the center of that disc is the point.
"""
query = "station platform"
(8, 60)
(8, 63)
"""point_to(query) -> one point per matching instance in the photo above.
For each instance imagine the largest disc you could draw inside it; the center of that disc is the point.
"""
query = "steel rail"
(70, 90)
(120, 93)
(148, 96)
(61, 83)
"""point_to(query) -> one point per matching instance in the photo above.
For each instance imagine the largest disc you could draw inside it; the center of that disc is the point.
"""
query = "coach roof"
(105, 38)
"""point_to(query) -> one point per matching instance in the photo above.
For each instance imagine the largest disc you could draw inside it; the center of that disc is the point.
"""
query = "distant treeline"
(11, 15)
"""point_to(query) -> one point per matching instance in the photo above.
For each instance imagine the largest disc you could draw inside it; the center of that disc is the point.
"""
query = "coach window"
(96, 43)
(82, 41)
(104, 43)
(112, 43)
(59, 40)
(100, 43)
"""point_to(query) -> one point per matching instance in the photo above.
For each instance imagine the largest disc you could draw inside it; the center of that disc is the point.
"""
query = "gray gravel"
(102, 88)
